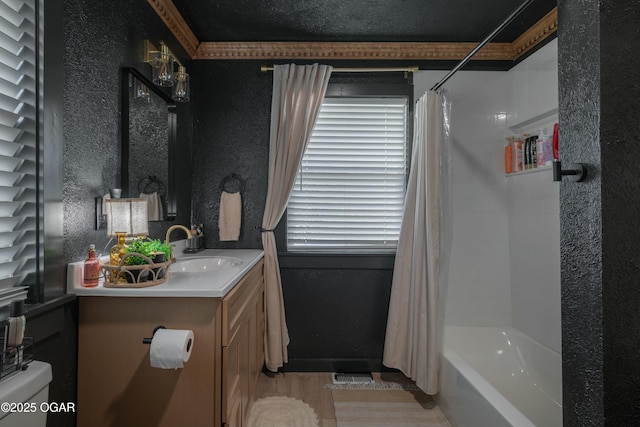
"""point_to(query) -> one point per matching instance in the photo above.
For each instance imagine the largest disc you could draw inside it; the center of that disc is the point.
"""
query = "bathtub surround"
(505, 266)
(506, 228)
(412, 342)
(298, 91)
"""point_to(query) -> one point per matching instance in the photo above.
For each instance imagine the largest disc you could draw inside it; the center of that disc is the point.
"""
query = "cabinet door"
(234, 379)
(256, 342)
(235, 413)
(243, 345)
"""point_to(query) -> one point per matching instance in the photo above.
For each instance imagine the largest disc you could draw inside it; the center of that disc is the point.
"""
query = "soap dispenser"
(91, 269)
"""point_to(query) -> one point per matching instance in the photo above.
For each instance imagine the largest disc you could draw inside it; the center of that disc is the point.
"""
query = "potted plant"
(160, 252)
(142, 246)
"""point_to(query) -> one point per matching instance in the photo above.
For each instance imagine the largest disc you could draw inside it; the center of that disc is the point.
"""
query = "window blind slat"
(349, 190)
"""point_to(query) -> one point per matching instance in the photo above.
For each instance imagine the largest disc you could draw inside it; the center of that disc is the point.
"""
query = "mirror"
(148, 143)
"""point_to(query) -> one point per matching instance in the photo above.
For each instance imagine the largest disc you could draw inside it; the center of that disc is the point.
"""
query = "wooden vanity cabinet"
(242, 347)
(118, 387)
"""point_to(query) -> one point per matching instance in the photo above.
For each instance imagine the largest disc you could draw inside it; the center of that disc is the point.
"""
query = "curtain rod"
(264, 69)
(490, 37)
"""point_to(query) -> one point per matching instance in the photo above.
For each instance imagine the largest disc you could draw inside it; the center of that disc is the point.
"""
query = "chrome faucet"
(174, 227)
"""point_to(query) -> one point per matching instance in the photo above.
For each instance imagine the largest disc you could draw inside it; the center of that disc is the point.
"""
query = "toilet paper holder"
(148, 340)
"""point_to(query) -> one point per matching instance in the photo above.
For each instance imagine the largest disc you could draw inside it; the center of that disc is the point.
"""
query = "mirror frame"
(172, 118)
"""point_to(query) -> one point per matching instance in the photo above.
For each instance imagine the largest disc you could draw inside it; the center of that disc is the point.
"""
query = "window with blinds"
(18, 143)
(349, 190)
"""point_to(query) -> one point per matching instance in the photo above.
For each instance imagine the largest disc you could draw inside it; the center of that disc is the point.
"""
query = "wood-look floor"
(310, 388)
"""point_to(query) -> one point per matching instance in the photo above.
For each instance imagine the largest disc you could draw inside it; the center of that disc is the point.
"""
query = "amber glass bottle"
(117, 252)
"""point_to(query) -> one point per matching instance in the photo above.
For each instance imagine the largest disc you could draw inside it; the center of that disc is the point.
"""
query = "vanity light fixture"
(163, 63)
(181, 90)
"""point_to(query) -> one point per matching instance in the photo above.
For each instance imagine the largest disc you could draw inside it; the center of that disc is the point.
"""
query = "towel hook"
(229, 179)
(151, 184)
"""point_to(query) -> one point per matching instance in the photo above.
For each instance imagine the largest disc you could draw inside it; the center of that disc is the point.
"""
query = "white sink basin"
(204, 264)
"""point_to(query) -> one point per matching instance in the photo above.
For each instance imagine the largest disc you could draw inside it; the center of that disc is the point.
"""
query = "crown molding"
(174, 21)
(350, 51)
(542, 29)
(383, 51)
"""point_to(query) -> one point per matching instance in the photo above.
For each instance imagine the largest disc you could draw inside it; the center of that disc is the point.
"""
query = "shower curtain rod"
(264, 69)
(490, 37)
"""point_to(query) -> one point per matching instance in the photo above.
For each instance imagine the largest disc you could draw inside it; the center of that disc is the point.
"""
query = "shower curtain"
(298, 91)
(414, 323)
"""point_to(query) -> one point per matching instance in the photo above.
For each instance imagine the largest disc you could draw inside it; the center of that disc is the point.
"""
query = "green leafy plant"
(157, 246)
(147, 247)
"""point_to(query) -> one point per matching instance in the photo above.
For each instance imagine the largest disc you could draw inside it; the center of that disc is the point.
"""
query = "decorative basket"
(135, 276)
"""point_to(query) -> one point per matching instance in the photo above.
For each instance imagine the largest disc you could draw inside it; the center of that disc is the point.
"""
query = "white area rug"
(281, 411)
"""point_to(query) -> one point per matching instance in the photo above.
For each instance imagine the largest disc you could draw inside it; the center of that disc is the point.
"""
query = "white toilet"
(32, 386)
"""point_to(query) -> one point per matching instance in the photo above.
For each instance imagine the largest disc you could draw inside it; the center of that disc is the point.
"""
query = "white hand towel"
(230, 216)
(154, 206)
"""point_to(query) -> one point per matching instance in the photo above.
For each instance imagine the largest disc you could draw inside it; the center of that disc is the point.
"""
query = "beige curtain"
(298, 91)
(413, 327)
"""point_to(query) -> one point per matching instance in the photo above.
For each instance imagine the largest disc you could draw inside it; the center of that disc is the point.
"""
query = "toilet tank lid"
(23, 385)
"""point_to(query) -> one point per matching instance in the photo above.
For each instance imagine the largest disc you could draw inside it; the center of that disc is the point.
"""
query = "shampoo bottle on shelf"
(527, 152)
(518, 150)
(540, 149)
(534, 151)
(546, 148)
(91, 269)
(508, 155)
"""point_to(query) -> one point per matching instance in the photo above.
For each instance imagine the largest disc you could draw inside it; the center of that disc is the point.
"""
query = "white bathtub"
(494, 377)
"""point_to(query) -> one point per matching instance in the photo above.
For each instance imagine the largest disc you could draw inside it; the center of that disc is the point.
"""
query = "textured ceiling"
(362, 20)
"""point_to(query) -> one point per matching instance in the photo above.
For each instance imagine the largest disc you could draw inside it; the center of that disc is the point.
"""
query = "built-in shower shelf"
(527, 171)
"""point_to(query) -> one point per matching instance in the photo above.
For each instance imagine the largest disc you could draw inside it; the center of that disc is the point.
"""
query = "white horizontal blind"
(349, 191)
(18, 142)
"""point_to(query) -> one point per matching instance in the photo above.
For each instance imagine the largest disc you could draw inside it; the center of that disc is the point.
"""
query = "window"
(349, 190)
(19, 169)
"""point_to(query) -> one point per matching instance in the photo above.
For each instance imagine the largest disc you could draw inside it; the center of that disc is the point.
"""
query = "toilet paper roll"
(171, 348)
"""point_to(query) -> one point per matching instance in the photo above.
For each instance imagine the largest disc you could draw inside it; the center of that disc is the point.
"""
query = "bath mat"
(280, 411)
(385, 407)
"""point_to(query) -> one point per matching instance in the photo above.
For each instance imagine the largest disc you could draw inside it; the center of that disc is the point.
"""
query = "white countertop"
(202, 284)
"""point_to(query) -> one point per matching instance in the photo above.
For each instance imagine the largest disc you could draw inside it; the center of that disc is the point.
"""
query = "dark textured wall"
(599, 118)
(100, 39)
(232, 114)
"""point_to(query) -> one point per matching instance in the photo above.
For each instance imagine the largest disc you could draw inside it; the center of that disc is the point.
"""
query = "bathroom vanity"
(224, 309)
